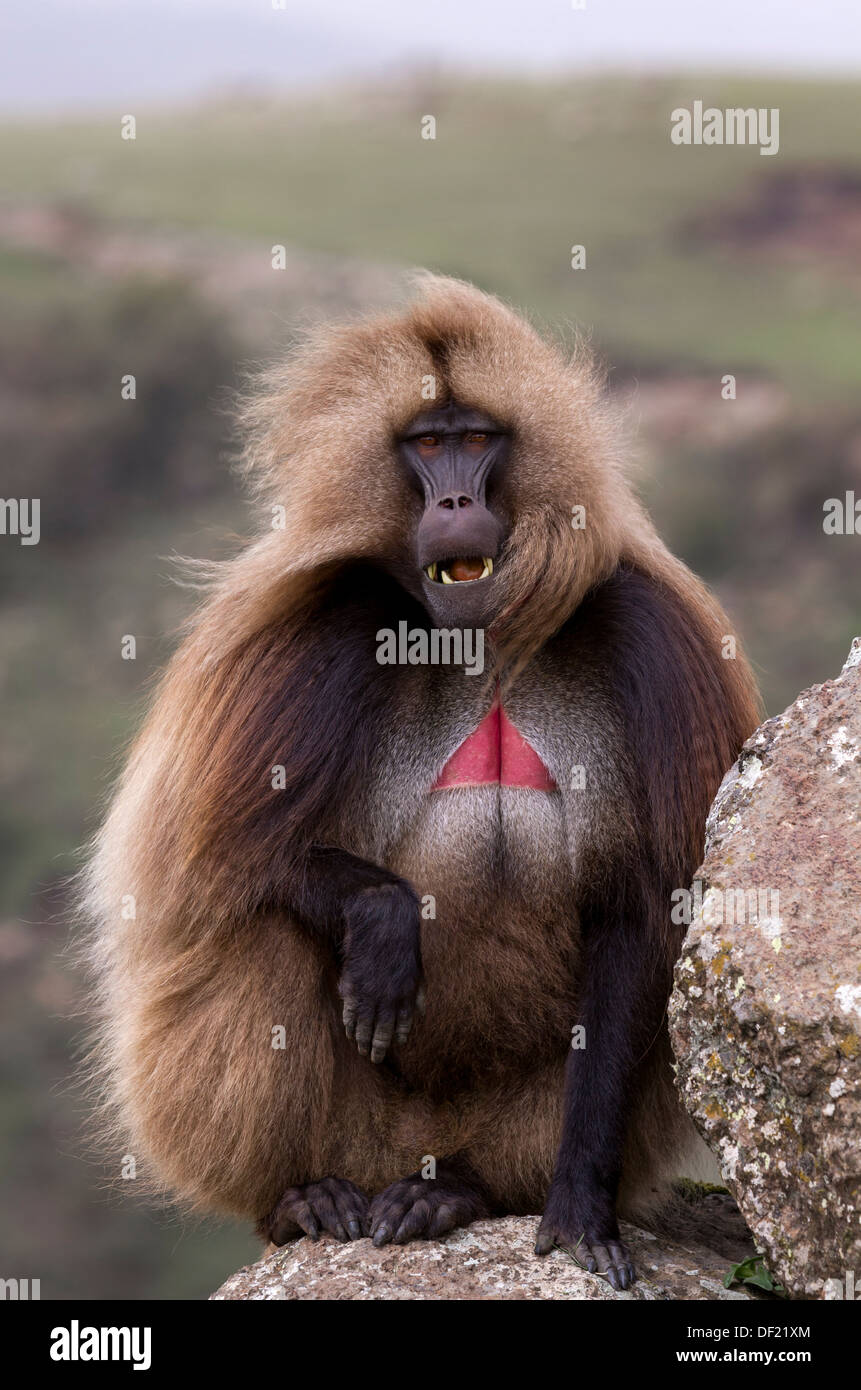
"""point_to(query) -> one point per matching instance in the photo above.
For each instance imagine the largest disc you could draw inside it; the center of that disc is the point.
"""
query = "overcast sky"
(61, 53)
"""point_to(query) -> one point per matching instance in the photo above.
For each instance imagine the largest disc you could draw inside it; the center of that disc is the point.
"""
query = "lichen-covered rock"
(495, 1260)
(766, 1014)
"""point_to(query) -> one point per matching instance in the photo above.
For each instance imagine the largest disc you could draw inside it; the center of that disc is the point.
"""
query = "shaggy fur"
(609, 650)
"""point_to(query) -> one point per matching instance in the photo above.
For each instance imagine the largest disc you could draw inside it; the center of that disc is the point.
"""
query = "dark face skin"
(455, 457)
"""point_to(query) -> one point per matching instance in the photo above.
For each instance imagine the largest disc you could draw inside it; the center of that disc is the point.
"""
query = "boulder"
(765, 1016)
(495, 1260)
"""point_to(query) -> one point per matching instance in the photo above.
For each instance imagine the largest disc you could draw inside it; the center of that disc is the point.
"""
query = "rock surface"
(495, 1260)
(766, 1013)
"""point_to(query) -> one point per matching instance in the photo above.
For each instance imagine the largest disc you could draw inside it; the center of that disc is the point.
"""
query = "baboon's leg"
(501, 1150)
(241, 1083)
(505, 1144)
(514, 1137)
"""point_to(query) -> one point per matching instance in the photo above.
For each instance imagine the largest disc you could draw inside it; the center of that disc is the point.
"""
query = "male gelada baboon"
(372, 900)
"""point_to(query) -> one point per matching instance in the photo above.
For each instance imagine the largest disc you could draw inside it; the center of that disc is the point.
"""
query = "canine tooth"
(446, 577)
(488, 567)
(431, 570)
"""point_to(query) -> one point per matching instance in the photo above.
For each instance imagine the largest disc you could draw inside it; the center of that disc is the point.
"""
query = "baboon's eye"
(477, 437)
(428, 441)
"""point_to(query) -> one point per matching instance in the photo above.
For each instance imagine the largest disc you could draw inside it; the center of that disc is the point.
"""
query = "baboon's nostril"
(452, 500)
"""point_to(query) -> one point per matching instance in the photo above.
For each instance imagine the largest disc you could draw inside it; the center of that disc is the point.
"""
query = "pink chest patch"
(495, 753)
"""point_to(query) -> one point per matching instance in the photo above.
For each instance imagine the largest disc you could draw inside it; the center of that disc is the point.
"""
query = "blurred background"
(261, 124)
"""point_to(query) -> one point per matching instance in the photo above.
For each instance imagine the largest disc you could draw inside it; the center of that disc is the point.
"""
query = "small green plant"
(691, 1191)
(753, 1271)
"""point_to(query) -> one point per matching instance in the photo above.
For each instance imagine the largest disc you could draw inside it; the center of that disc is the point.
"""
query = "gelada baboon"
(375, 901)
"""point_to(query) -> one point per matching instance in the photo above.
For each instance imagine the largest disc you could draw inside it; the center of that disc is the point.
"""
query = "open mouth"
(463, 570)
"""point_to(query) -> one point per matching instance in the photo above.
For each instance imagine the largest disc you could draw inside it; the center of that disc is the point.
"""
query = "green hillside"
(517, 174)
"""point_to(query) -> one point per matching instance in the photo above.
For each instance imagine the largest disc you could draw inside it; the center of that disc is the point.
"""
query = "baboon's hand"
(381, 979)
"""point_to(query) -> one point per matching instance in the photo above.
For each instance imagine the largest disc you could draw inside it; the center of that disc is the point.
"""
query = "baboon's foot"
(333, 1204)
(610, 1257)
(583, 1224)
(425, 1208)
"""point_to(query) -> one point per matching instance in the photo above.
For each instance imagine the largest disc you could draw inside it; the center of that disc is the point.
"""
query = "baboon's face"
(455, 457)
